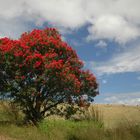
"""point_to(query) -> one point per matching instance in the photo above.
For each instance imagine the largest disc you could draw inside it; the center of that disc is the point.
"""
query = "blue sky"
(104, 33)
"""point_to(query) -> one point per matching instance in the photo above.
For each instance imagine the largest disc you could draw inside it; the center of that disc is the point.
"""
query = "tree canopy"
(40, 70)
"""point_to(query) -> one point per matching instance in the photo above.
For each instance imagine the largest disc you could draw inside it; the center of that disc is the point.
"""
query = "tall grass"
(93, 113)
(69, 130)
(88, 127)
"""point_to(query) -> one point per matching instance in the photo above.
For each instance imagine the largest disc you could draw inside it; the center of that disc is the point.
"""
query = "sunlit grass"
(89, 127)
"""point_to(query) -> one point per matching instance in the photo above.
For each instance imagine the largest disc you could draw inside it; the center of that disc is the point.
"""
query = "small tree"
(40, 71)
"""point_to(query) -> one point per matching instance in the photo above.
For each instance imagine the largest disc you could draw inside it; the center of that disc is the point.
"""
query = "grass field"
(113, 122)
(113, 115)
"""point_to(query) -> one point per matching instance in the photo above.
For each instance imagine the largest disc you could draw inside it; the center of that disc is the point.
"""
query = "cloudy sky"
(105, 34)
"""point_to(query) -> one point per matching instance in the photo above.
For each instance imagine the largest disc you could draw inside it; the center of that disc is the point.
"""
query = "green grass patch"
(70, 130)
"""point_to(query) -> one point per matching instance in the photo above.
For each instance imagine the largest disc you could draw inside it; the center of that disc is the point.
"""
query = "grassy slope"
(113, 116)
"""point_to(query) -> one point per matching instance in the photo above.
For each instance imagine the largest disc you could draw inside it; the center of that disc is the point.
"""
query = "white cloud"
(11, 9)
(124, 98)
(108, 19)
(114, 28)
(101, 44)
(66, 13)
(127, 61)
(12, 27)
(117, 20)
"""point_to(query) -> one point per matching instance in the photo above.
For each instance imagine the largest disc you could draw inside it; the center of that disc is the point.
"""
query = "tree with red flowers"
(40, 71)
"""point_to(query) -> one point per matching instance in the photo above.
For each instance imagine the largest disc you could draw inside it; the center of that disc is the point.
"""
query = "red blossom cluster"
(43, 51)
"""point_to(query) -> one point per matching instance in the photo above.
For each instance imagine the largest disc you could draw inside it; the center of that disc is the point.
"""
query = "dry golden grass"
(116, 114)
